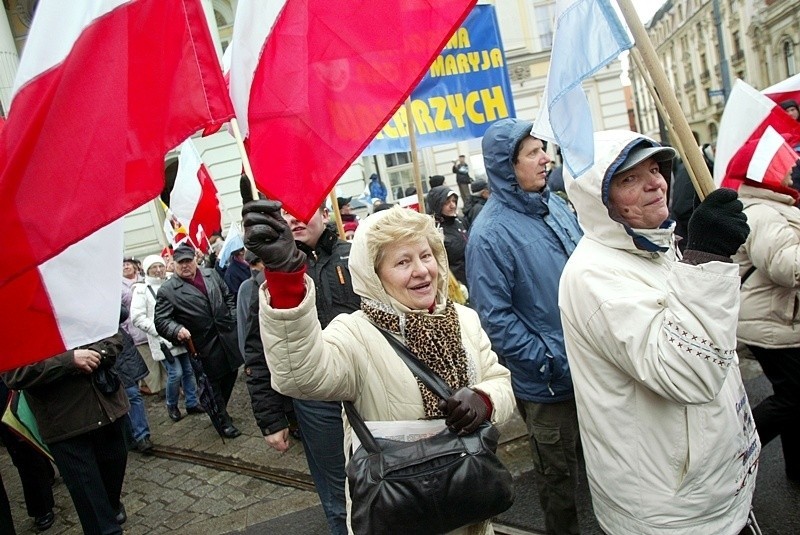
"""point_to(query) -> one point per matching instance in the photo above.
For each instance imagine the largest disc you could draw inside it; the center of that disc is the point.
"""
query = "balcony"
(738, 57)
(688, 86)
(705, 76)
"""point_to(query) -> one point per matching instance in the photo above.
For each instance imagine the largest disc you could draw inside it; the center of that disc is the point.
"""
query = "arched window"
(788, 56)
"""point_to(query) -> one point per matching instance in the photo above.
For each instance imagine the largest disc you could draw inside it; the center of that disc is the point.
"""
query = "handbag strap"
(151, 291)
(421, 370)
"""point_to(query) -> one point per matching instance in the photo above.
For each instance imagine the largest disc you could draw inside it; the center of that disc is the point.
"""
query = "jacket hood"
(366, 283)
(498, 145)
(589, 195)
(437, 197)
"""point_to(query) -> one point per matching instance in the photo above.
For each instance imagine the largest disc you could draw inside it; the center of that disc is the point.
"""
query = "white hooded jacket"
(667, 432)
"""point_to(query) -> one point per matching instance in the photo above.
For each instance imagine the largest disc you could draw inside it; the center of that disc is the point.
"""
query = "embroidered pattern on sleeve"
(698, 346)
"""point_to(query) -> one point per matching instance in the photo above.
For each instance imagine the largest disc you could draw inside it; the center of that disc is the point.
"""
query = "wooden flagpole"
(337, 215)
(412, 138)
(237, 134)
(691, 152)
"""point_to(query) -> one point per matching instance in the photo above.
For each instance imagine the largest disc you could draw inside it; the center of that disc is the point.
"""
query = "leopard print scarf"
(433, 339)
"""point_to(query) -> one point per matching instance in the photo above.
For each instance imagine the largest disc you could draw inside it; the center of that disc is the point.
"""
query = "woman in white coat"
(769, 317)
(399, 268)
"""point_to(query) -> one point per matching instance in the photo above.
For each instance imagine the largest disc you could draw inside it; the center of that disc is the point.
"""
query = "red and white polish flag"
(313, 81)
(746, 117)
(97, 104)
(194, 199)
(766, 160)
(785, 90)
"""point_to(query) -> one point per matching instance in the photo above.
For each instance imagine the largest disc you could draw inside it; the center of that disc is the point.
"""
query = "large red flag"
(788, 89)
(313, 81)
(104, 90)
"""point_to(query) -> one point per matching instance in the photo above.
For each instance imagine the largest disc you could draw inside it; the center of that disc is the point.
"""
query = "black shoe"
(230, 432)
(144, 446)
(174, 413)
(122, 516)
(197, 409)
(44, 522)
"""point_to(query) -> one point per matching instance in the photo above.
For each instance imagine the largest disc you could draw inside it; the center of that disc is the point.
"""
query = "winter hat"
(150, 260)
(435, 180)
(478, 186)
(790, 103)
(343, 201)
(183, 252)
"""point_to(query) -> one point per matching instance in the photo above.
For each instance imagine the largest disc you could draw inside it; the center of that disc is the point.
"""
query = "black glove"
(465, 410)
(268, 236)
(718, 226)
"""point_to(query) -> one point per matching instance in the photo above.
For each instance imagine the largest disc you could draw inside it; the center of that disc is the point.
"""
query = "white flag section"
(254, 22)
(588, 36)
(86, 276)
(768, 153)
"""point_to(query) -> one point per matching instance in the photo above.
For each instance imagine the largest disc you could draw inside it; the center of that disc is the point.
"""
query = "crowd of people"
(611, 331)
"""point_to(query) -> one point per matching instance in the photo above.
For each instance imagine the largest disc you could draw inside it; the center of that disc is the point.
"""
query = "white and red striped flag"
(766, 160)
(313, 81)
(194, 199)
(746, 117)
(788, 89)
(97, 103)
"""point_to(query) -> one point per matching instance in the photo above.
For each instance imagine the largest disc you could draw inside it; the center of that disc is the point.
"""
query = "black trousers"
(222, 388)
(779, 414)
(6, 522)
(35, 472)
(93, 468)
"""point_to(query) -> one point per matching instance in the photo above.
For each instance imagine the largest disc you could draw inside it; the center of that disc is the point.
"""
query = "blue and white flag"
(588, 36)
(233, 242)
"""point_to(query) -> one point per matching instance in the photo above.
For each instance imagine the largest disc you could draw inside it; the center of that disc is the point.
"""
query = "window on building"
(788, 56)
(737, 44)
(545, 16)
(401, 175)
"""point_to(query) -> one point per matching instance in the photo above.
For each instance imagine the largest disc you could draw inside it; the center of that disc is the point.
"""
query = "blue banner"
(465, 90)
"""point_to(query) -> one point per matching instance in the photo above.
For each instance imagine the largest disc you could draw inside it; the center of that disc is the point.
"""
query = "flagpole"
(237, 134)
(691, 152)
(336, 213)
(412, 138)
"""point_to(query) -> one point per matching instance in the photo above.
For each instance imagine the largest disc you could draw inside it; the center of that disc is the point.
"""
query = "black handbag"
(430, 486)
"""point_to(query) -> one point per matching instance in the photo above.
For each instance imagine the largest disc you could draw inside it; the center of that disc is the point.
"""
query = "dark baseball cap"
(183, 252)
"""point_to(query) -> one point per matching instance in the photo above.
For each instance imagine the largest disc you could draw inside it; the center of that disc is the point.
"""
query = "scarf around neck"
(435, 339)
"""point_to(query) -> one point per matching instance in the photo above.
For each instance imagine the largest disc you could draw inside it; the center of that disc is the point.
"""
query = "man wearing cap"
(480, 194)
(666, 427)
(516, 251)
(791, 107)
(197, 304)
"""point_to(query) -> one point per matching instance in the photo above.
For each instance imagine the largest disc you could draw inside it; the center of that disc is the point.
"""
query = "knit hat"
(478, 186)
(150, 260)
(790, 103)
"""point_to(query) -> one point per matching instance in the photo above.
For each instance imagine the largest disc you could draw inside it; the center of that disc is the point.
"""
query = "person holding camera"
(175, 358)
(81, 410)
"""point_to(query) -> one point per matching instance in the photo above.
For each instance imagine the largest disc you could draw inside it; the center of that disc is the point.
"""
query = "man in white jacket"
(667, 432)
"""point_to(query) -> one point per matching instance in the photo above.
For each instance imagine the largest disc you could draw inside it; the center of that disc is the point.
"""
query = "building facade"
(526, 28)
(760, 45)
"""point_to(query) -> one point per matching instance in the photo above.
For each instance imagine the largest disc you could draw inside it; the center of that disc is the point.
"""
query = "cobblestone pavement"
(164, 495)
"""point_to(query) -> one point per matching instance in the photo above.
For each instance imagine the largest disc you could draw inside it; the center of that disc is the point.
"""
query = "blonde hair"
(399, 225)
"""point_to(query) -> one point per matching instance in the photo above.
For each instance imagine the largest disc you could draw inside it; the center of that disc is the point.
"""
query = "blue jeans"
(323, 440)
(180, 373)
(138, 415)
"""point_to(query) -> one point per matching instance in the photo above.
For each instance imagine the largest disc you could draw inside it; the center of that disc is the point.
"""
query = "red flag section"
(767, 160)
(99, 102)
(331, 74)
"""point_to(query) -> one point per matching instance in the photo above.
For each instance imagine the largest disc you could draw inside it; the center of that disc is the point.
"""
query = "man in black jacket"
(197, 304)
(320, 421)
